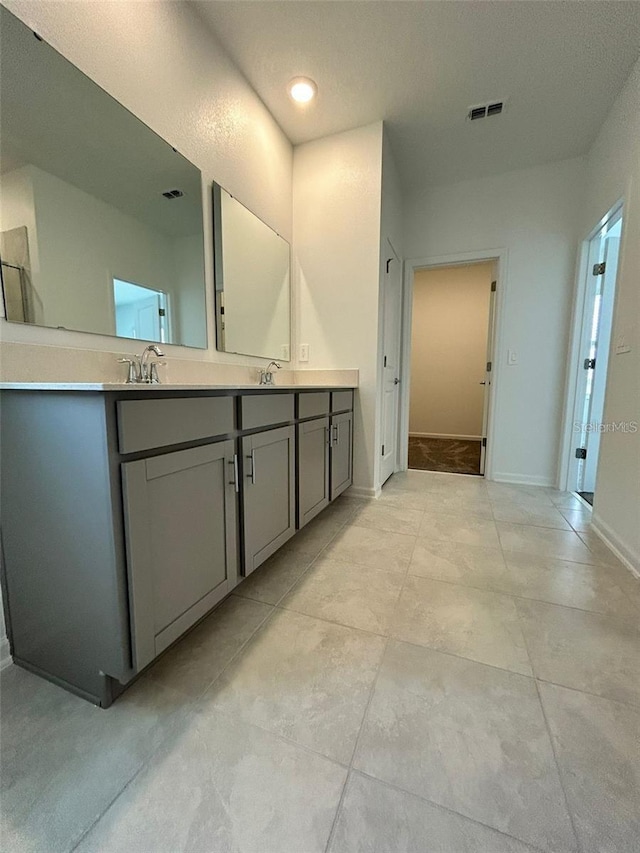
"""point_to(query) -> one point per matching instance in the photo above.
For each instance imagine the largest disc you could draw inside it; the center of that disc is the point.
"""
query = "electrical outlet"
(284, 352)
(304, 352)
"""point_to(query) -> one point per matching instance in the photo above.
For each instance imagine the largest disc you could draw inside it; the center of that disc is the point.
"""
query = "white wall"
(185, 88)
(450, 321)
(336, 216)
(613, 173)
(534, 215)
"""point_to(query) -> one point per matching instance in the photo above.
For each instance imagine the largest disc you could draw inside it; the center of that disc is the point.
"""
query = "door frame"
(567, 462)
(412, 265)
(383, 296)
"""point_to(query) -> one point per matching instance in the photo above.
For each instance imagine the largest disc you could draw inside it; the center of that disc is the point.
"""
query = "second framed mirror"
(252, 282)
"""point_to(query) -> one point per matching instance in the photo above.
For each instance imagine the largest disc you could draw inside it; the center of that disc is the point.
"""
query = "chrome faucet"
(149, 370)
(141, 370)
(266, 376)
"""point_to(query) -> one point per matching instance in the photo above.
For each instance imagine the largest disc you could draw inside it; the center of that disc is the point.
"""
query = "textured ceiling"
(420, 65)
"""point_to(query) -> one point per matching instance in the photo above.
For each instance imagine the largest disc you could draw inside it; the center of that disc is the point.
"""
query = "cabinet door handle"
(336, 434)
(327, 432)
(235, 482)
(252, 475)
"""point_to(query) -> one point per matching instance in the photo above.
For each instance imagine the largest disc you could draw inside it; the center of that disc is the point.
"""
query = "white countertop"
(122, 386)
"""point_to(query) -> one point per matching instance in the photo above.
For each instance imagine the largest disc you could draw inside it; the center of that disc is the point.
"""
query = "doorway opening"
(140, 312)
(599, 284)
(451, 361)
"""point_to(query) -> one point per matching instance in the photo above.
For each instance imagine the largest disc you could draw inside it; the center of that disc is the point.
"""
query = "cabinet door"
(268, 493)
(313, 469)
(341, 453)
(180, 521)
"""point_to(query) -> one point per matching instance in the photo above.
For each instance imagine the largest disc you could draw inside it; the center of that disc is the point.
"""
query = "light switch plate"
(512, 357)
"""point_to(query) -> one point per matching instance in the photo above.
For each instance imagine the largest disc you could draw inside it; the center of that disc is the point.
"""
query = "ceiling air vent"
(492, 109)
(173, 194)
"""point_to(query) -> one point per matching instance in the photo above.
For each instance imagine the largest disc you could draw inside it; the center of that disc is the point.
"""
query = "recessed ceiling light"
(302, 89)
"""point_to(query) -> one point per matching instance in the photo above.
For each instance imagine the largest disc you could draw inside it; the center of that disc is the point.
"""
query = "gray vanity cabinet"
(341, 443)
(129, 513)
(180, 529)
(268, 514)
(313, 468)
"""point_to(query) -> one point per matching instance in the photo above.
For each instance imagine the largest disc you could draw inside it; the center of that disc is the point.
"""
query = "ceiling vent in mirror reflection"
(173, 194)
(493, 108)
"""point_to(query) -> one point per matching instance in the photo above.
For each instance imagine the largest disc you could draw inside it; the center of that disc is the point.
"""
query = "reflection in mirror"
(251, 265)
(100, 218)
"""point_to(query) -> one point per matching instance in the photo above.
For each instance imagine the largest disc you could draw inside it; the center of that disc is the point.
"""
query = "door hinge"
(581, 452)
(488, 367)
(383, 449)
(598, 269)
(493, 286)
(484, 442)
(589, 363)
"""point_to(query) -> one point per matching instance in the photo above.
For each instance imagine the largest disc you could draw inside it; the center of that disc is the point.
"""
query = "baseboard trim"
(363, 492)
(445, 435)
(611, 539)
(5, 654)
(524, 479)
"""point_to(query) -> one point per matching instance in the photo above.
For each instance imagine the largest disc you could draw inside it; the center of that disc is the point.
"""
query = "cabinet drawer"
(145, 424)
(341, 401)
(262, 410)
(313, 404)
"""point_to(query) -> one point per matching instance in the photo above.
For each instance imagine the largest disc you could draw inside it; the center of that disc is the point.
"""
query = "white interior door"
(597, 320)
(392, 298)
(148, 318)
(602, 322)
(488, 376)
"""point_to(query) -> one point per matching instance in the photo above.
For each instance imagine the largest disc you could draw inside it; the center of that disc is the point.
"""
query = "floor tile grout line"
(362, 721)
(550, 736)
(448, 809)
(238, 651)
(303, 747)
(518, 597)
(558, 770)
(628, 705)
(85, 833)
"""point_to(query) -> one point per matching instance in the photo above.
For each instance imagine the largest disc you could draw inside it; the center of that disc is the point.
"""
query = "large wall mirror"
(100, 219)
(252, 272)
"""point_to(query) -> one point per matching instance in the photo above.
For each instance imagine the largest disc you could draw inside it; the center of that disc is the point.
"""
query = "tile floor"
(452, 668)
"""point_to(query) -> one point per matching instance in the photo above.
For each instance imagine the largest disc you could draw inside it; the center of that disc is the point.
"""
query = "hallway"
(451, 668)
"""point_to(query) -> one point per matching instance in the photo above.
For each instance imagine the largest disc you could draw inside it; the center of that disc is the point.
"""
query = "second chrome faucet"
(266, 376)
